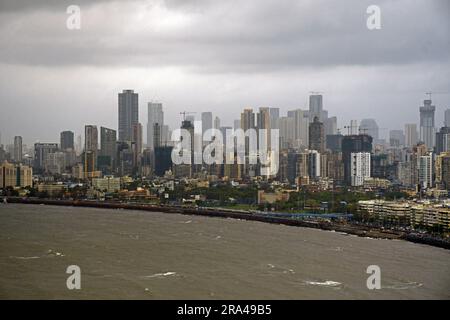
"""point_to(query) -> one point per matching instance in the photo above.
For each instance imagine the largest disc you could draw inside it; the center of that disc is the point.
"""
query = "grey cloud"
(240, 36)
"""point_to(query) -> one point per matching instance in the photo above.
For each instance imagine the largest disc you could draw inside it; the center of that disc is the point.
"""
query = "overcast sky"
(219, 56)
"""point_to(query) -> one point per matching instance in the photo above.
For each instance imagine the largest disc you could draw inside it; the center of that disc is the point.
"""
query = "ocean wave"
(24, 258)
(160, 275)
(53, 253)
(327, 283)
(404, 285)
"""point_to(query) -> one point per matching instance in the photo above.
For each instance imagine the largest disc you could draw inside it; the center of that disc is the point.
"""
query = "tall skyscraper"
(247, 119)
(410, 134)
(274, 117)
(353, 144)
(263, 122)
(425, 166)
(315, 107)
(137, 142)
(330, 126)
(370, 127)
(427, 129)
(108, 140)
(90, 138)
(316, 136)
(137, 137)
(287, 132)
(90, 150)
(155, 115)
(66, 140)
(18, 149)
(128, 114)
(41, 150)
(301, 123)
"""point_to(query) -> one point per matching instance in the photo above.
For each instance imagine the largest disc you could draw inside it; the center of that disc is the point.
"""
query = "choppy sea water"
(125, 254)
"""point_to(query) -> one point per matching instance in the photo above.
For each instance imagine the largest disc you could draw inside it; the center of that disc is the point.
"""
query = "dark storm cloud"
(230, 36)
(220, 56)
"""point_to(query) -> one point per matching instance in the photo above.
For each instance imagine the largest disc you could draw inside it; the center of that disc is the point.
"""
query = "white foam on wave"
(24, 258)
(54, 253)
(327, 283)
(404, 286)
(160, 275)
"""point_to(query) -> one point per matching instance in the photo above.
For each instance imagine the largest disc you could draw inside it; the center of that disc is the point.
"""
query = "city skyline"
(199, 56)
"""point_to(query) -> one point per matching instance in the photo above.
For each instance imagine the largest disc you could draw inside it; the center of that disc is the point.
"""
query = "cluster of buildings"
(312, 151)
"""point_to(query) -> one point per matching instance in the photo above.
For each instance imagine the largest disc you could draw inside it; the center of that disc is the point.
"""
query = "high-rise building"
(274, 118)
(330, 126)
(18, 149)
(156, 135)
(301, 123)
(447, 118)
(163, 159)
(353, 144)
(427, 128)
(217, 123)
(443, 140)
(287, 132)
(425, 168)
(263, 122)
(314, 164)
(40, 154)
(79, 145)
(90, 138)
(247, 119)
(207, 119)
(155, 115)
(66, 140)
(315, 107)
(396, 138)
(136, 140)
(7, 175)
(359, 168)
(316, 136)
(237, 124)
(128, 114)
(334, 142)
(90, 150)
(443, 170)
(137, 137)
(370, 127)
(410, 134)
(184, 169)
(108, 141)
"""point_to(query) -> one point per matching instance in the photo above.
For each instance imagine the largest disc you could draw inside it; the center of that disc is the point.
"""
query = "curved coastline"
(361, 231)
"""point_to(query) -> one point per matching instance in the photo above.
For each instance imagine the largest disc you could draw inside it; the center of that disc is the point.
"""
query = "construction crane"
(184, 113)
(360, 130)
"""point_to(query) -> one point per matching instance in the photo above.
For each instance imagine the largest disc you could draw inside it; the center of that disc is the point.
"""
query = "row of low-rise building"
(409, 213)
